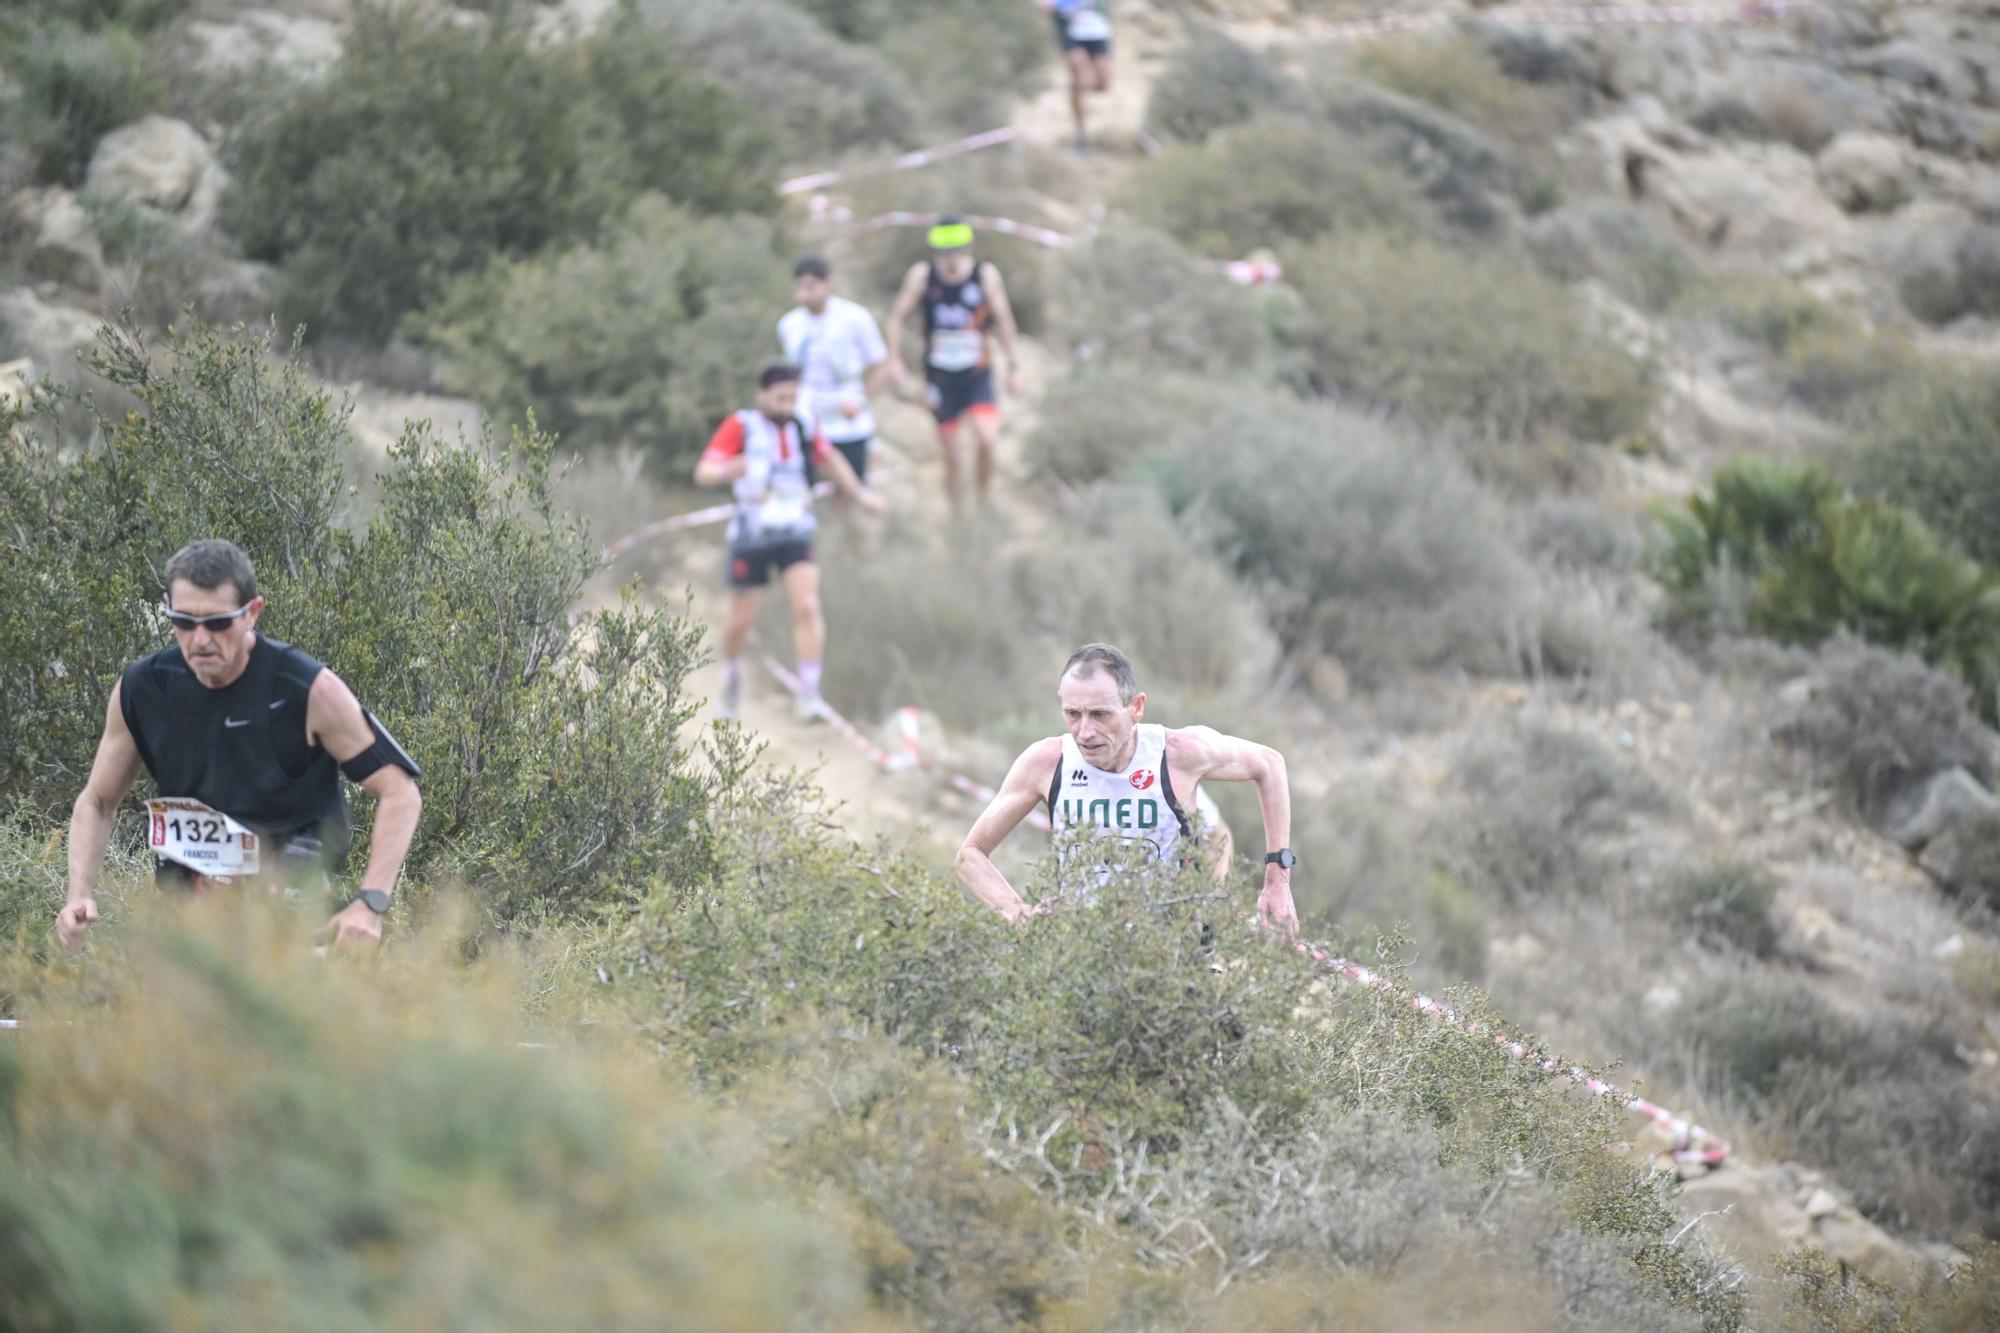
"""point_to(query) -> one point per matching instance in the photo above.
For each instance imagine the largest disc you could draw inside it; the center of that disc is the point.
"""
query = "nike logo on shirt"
(235, 721)
(279, 704)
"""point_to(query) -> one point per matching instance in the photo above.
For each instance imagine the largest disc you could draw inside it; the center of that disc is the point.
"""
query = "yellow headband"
(952, 236)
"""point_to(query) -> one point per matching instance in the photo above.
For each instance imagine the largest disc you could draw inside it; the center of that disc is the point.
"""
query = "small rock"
(65, 248)
(1662, 998)
(49, 335)
(1821, 1203)
(1924, 809)
(155, 160)
(1865, 172)
(1951, 948)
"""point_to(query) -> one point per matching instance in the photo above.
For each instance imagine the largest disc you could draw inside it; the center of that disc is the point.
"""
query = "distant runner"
(964, 304)
(841, 357)
(246, 739)
(1083, 32)
(1114, 776)
(767, 456)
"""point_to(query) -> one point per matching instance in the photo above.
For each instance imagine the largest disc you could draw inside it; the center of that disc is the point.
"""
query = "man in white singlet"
(1113, 775)
(841, 357)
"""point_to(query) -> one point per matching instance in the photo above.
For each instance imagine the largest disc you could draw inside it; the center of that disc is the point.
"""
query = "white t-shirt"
(834, 349)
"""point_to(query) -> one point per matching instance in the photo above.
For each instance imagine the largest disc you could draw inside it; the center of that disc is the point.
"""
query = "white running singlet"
(1137, 804)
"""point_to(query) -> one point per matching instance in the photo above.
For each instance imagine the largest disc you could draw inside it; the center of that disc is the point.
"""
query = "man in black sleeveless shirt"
(254, 730)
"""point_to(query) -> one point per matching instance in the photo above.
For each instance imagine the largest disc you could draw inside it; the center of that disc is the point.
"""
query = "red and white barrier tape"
(1692, 1143)
(910, 757)
(917, 157)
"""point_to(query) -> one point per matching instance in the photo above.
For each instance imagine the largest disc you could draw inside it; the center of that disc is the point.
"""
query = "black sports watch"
(378, 901)
(1283, 858)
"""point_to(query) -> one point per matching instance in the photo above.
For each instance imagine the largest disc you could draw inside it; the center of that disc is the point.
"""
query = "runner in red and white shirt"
(768, 457)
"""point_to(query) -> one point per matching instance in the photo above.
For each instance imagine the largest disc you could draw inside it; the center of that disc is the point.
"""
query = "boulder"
(1966, 858)
(48, 335)
(1923, 809)
(1776, 1208)
(62, 247)
(1865, 173)
(155, 160)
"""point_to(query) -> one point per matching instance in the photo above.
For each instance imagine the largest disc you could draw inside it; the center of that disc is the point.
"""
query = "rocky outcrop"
(164, 164)
(1926, 808)
(1765, 1212)
(301, 45)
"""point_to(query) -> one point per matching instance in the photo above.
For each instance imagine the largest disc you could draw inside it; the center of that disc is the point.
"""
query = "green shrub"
(161, 270)
(1469, 175)
(552, 762)
(1976, 970)
(434, 147)
(1269, 183)
(647, 338)
(1778, 549)
(966, 60)
(1134, 300)
(1534, 810)
(1479, 340)
(831, 97)
(1934, 447)
(1724, 905)
(72, 86)
(1878, 719)
(1214, 82)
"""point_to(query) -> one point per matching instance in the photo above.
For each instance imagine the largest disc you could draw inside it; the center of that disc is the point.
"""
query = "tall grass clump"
(1934, 447)
(70, 77)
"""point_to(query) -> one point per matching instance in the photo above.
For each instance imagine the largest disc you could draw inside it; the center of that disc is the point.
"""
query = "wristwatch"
(378, 901)
(1283, 858)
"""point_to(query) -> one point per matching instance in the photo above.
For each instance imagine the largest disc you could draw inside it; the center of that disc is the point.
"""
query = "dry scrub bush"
(1273, 182)
(1457, 74)
(256, 1141)
(1934, 446)
(1104, 420)
(1533, 811)
(978, 640)
(70, 78)
(959, 83)
(1881, 1103)
(1618, 245)
(1214, 82)
(1723, 905)
(1878, 719)
(1374, 878)
(646, 338)
(1476, 340)
(1138, 302)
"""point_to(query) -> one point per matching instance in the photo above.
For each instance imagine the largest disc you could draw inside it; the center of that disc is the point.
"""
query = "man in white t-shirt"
(838, 348)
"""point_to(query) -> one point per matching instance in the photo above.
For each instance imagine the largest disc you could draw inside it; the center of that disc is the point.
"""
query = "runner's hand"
(851, 409)
(73, 922)
(1021, 913)
(899, 375)
(1013, 381)
(356, 921)
(1274, 904)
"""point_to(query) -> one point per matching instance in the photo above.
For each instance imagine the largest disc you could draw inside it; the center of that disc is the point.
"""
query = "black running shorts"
(752, 566)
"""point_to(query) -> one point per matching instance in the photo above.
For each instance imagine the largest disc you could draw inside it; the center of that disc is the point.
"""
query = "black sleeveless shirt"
(241, 749)
(955, 312)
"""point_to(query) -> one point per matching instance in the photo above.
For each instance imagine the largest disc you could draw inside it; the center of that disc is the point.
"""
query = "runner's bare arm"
(336, 722)
(907, 297)
(1027, 782)
(111, 774)
(1003, 316)
(723, 461)
(836, 465)
(1202, 754)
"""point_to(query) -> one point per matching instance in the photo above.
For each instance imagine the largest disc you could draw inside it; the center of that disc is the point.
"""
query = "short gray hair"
(1088, 660)
(210, 563)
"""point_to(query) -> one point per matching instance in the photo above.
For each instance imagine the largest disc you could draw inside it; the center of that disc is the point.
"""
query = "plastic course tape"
(1691, 1143)
(682, 522)
(919, 157)
(882, 759)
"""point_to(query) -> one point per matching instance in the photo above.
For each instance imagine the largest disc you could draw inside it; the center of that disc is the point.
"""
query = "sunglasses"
(213, 624)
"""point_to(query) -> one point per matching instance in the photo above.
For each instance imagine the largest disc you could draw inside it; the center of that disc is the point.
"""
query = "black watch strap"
(378, 901)
(1283, 858)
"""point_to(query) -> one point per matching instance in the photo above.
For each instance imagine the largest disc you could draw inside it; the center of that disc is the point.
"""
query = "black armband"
(378, 756)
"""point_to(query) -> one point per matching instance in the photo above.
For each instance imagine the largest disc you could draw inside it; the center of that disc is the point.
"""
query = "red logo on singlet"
(1143, 779)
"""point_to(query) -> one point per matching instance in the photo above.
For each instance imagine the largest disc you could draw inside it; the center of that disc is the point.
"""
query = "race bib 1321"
(203, 840)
